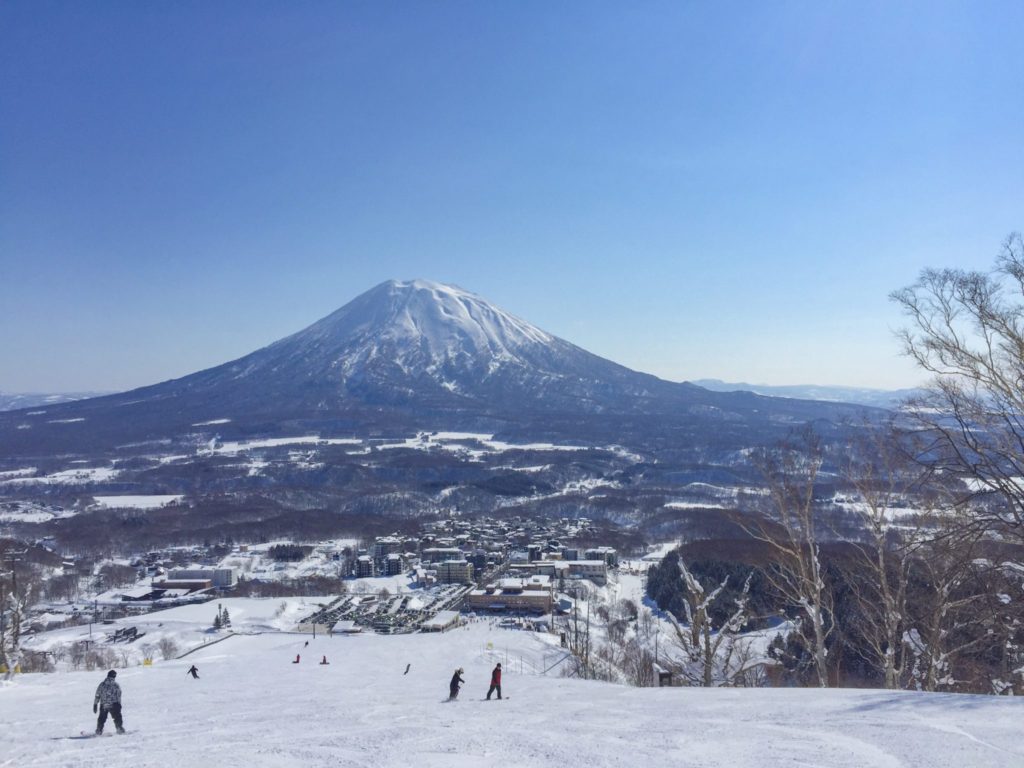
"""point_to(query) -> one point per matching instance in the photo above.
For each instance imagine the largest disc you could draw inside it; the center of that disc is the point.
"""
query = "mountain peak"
(422, 325)
(420, 284)
(436, 345)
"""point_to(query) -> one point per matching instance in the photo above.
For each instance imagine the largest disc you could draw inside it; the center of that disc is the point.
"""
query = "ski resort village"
(398, 655)
(393, 584)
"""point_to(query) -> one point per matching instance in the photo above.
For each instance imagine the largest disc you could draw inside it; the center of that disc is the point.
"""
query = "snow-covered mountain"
(440, 346)
(409, 355)
(421, 328)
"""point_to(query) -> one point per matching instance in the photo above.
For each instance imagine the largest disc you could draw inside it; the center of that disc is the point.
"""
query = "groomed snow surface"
(252, 706)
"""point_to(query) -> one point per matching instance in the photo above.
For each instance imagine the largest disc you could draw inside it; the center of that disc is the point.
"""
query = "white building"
(442, 622)
(219, 577)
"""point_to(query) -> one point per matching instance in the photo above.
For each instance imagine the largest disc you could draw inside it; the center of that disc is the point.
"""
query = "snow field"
(189, 626)
(252, 706)
(78, 476)
(150, 501)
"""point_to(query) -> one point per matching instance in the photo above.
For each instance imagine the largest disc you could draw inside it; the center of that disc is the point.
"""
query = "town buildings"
(533, 594)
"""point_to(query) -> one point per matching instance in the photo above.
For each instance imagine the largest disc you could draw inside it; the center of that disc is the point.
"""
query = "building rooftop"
(533, 582)
(441, 620)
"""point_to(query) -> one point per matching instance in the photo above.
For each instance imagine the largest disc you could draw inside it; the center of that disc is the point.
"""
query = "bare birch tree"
(789, 529)
(966, 329)
(880, 478)
(20, 587)
(948, 620)
(708, 649)
(579, 640)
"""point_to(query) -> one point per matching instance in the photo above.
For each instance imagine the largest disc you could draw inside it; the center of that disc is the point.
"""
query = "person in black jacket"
(453, 688)
(108, 701)
(193, 671)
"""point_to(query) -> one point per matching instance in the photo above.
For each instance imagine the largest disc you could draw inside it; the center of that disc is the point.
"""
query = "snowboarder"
(324, 661)
(495, 682)
(193, 671)
(297, 659)
(108, 701)
(453, 688)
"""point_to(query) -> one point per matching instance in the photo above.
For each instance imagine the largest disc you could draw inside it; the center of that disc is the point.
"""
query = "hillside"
(252, 706)
(412, 398)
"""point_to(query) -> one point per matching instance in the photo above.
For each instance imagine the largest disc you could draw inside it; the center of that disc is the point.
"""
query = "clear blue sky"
(691, 189)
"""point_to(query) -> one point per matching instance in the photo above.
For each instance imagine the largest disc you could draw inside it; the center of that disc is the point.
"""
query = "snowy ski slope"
(253, 707)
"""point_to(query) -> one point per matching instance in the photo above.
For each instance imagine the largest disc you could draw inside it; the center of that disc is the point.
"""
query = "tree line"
(929, 592)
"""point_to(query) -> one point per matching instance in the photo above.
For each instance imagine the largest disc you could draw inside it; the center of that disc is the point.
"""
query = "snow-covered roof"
(345, 626)
(136, 592)
(442, 619)
(536, 581)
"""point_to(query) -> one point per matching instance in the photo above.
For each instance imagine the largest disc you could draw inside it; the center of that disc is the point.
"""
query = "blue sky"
(695, 190)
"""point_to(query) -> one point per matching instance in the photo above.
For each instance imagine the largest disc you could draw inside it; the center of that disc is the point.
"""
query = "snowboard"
(87, 735)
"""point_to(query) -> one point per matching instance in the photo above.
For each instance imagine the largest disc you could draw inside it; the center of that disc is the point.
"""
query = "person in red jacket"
(495, 682)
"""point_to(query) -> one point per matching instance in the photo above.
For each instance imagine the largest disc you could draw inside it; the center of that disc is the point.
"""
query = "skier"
(193, 671)
(495, 682)
(297, 659)
(108, 701)
(324, 661)
(306, 645)
(407, 667)
(453, 688)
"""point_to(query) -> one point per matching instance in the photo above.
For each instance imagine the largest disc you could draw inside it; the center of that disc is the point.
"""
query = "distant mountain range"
(876, 398)
(10, 401)
(416, 355)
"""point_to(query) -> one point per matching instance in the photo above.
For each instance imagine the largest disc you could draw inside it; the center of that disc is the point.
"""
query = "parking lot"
(396, 614)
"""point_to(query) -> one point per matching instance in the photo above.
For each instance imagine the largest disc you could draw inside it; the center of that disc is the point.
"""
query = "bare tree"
(63, 587)
(579, 640)
(789, 529)
(708, 649)
(116, 575)
(638, 662)
(168, 648)
(20, 587)
(947, 619)
(77, 653)
(966, 329)
(880, 476)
